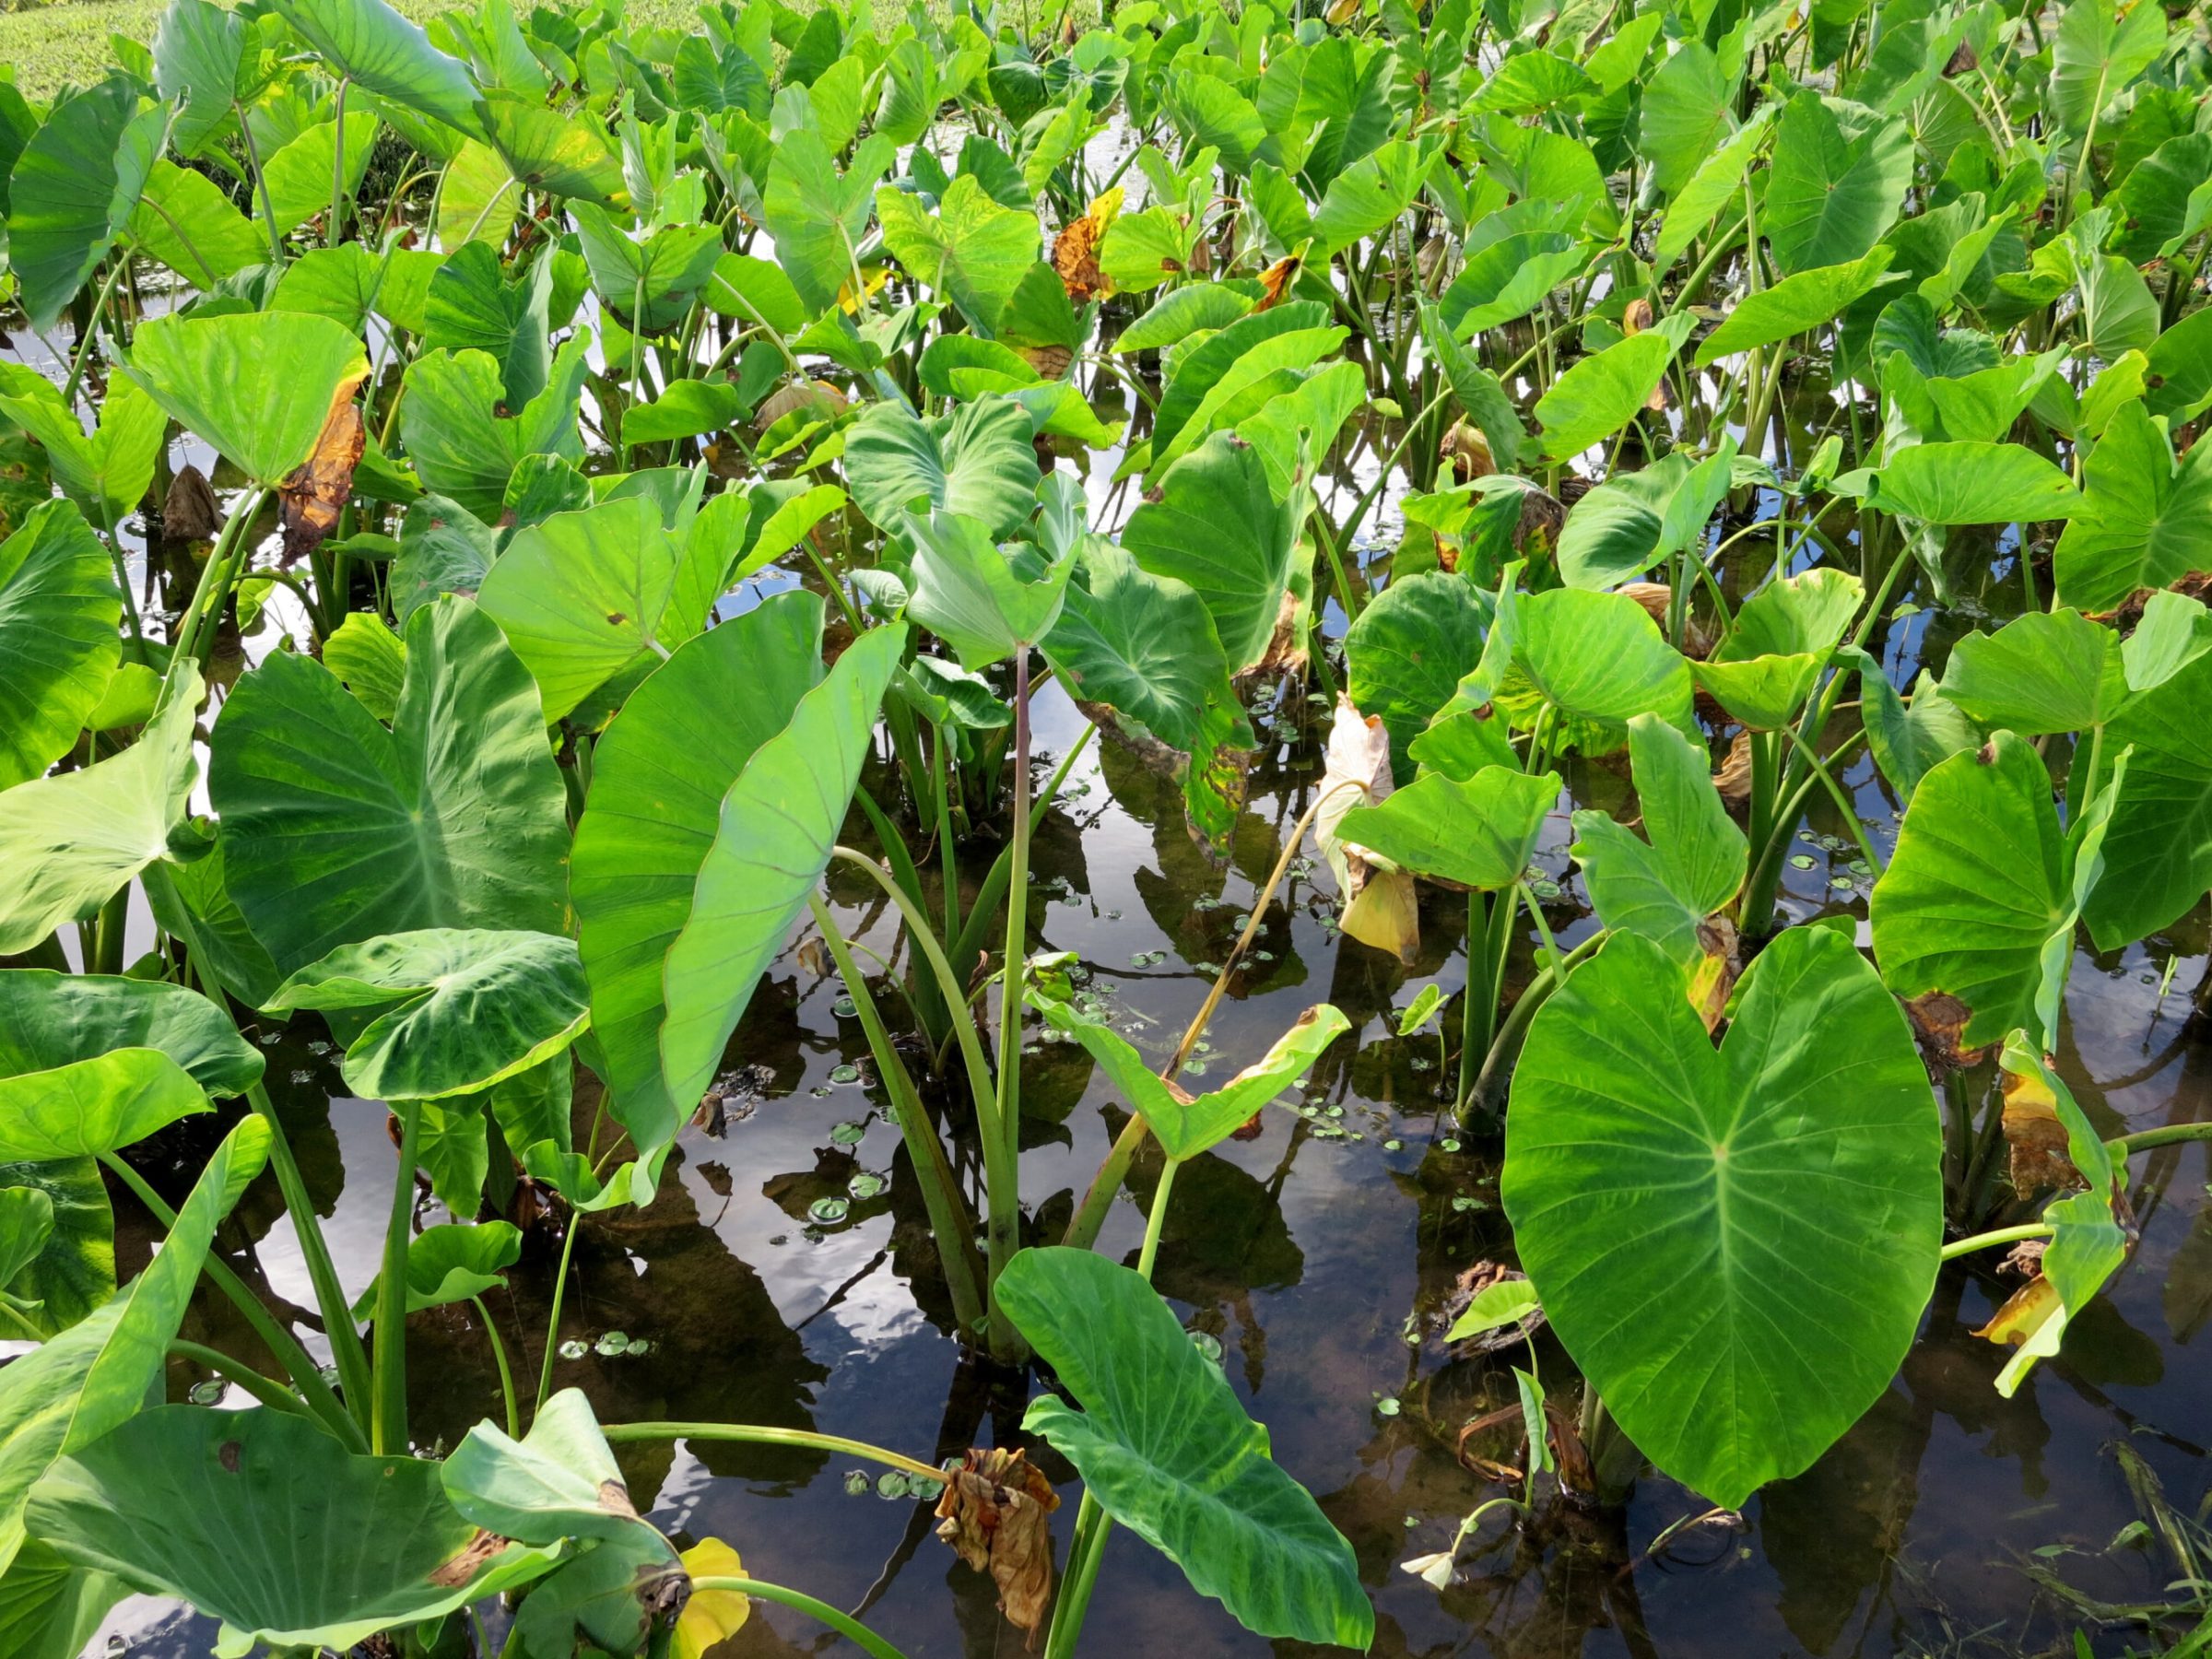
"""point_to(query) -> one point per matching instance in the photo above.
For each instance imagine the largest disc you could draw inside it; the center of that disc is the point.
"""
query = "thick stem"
(820, 1611)
(949, 1217)
(388, 1427)
(299, 1365)
(498, 1356)
(346, 1350)
(1005, 1205)
(2003, 1235)
(750, 1434)
(2143, 1140)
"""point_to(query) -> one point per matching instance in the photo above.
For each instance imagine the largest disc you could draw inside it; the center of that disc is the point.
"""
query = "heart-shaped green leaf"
(1165, 1448)
(59, 607)
(474, 1006)
(1735, 1244)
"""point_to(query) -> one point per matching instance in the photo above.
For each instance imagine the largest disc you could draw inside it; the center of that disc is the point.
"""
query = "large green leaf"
(1602, 393)
(258, 385)
(2144, 521)
(81, 1384)
(1407, 650)
(2043, 673)
(1795, 305)
(1587, 663)
(49, 1019)
(589, 598)
(817, 215)
(969, 249)
(460, 445)
(2097, 51)
(1735, 1244)
(977, 461)
(1693, 856)
(1765, 669)
(778, 825)
(471, 306)
(2158, 852)
(108, 473)
(1633, 520)
(465, 1007)
(658, 778)
(1977, 889)
(1973, 484)
(1186, 1127)
(451, 1264)
(74, 189)
(70, 841)
(652, 282)
(970, 593)
(73, 1271)
(1831, 196)
(547, 149)
(59, 608)
(1219, 528)
(1478, 833)
(377, 48)
(198, 50)
(1686, 115)
(335, 830)
(293, 1541)
(1165, 1448)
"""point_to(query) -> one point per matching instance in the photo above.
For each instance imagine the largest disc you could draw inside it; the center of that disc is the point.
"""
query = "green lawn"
(54, 44)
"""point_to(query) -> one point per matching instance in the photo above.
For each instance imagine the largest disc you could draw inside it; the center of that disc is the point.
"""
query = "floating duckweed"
(271, 1038)
(1421, 1063)
(209, 1393)
(1262, 955)
(639, 1348)
(1448, 1144)
(1113, 915)
(1328, 1132)
(819, 1091)
(303, 1074)
(1209, 969)
(1465, 1205)
(1832, 843)
(844, 1007)
(829, 1211)
(1544, 887)
(1860, 867)
(857, 1483)
(847, 1133)
(1336, 1111)
(1388, 1406)
(1803, 861)
(1207, 1342)
(1193, 1068)
(845, 1073)
(867, 1184)
(893, 1483)
(1842, 884)
(613, 1345)
(1806, 835)
(1242, 922)
(575, 1348)
(322, 1048)
(1393, 1144)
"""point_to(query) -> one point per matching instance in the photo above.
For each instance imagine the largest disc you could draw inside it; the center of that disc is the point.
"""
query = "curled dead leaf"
(1076, 251)
(1467, 453)
(1734, 778)
(315, 492)
(2025, 1312)
(1635, 317)
(1276, 280)
(189, 512)
(1712, 980)
(1657, 599)
(1471, 1282)
(1940, 1021)
(995, 1512)
(1379, 904)
(465, 1563)
(2035, 1137)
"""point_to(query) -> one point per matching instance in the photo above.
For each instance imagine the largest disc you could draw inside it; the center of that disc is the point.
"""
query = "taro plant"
(523, 499)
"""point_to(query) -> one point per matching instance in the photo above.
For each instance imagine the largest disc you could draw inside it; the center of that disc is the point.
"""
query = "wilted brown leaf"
(1276, 280)
(1467, 453)
(797, 394)
(995, 1512)
(1713, 976)
(189, 511)
(1051, 361)
(1379, 904)
(1939, 1021)
(1734, 778)
(1635, 317)
(1076, 251)
(2024, 1311)
(1471, 1282)
(465, 1563)
(2035, 1137)
(314, 493)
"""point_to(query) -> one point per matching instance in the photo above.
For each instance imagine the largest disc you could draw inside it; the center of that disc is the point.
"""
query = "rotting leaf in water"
(996, 1514)
(1939, 1021)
